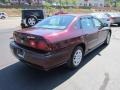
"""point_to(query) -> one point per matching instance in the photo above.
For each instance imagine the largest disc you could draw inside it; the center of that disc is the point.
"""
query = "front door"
(90, 32)
(102, 32)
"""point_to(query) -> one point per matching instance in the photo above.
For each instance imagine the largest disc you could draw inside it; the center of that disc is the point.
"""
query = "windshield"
(56, 22)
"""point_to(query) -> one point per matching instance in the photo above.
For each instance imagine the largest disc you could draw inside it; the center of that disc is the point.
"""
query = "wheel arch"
(82, 45)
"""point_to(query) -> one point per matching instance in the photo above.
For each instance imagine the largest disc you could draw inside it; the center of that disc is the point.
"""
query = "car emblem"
(30, 37)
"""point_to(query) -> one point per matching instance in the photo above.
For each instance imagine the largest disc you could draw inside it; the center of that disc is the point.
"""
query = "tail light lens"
(32, 43)
(42, 45)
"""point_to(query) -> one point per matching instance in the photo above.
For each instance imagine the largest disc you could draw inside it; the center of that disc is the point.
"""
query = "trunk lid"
(34, 37)
(39, 31)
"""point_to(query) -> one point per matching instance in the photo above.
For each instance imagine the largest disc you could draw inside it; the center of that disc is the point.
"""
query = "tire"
(76, 58)
(2, 17)
(107, 41)
(119, 24)
(31, 21)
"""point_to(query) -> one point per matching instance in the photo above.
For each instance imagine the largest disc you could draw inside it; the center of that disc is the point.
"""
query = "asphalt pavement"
(100, 69)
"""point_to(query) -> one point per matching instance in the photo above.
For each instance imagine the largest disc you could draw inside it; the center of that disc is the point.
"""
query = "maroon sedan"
(60, 39)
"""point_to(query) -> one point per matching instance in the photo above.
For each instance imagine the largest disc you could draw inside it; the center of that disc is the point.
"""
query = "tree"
(30, 2)
(50, 1)
(5, 1)
(66, 1)
(113, 2)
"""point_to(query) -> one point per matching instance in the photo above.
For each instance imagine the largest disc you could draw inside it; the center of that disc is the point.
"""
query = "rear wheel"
(76, 58)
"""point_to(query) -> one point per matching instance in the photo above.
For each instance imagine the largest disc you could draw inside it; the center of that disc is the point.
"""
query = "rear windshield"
(56, 22)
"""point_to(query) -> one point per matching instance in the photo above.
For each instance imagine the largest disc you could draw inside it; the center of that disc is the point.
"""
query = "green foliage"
(65, 2)
(5, 1)
(116, 3)
(47, 5)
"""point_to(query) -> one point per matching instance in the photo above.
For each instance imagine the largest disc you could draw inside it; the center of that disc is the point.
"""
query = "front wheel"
(107, 41)
(76, 58)
(3, 17)
(119, 24)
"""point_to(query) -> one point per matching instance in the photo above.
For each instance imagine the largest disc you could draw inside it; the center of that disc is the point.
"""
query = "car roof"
(77, 15)
(95, 13)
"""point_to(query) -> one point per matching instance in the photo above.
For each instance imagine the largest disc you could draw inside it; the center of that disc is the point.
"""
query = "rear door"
(90, 32)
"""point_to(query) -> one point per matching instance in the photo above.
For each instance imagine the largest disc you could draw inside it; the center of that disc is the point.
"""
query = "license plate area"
(21, 53)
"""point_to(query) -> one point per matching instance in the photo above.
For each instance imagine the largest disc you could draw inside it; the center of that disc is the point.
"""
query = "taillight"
(42, 45)
(32, 43)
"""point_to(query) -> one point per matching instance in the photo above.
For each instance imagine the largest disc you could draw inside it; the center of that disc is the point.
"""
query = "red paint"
(32, 43)
(42, 45)
(57, 44)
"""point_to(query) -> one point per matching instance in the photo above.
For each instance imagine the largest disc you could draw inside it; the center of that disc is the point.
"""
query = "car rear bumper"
(44, 61)
(114, 21)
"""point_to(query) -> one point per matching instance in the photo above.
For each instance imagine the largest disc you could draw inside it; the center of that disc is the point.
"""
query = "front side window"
(86, 23)
(56, 22)
(97, 23)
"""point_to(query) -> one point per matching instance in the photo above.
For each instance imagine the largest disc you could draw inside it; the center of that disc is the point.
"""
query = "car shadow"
(19, 77)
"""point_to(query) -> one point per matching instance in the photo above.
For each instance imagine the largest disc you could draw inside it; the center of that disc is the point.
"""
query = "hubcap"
(108, 38)
(77, 57)
(31, 21)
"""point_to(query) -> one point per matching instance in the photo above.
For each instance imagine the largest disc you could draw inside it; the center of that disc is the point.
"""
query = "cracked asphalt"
(100, 70)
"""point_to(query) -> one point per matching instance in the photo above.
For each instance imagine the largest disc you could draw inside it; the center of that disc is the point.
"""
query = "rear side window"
(77, 25)
(86, 23)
